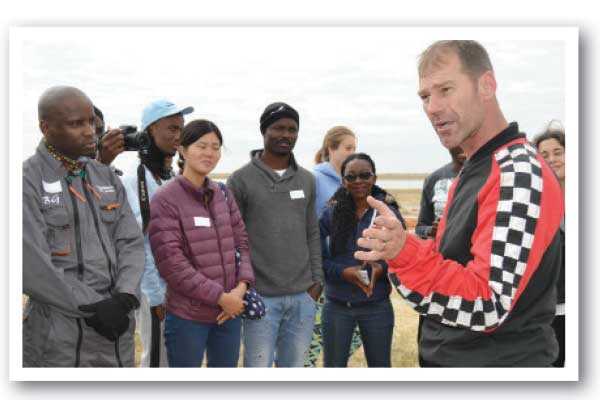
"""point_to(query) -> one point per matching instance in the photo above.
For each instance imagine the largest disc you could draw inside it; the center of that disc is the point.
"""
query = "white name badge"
(52, 187)
(201, 221)
(106, 189)
(297, 194)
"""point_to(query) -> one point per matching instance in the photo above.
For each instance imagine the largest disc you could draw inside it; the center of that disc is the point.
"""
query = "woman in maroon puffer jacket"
(195, 229)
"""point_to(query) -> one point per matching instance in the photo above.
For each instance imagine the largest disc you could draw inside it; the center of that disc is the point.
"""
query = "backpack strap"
(224, 191)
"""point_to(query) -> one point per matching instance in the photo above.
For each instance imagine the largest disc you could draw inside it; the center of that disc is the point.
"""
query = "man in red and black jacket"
(487, 282)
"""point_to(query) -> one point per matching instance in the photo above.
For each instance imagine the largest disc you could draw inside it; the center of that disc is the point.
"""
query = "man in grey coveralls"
(83, 252)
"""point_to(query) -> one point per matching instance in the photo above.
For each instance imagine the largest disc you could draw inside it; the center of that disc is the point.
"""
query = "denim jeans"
(316, 344)
(283, 335)
(376, 324)
(187, 341)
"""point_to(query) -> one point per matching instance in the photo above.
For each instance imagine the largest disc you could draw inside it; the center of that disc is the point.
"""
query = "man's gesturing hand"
(385, 238)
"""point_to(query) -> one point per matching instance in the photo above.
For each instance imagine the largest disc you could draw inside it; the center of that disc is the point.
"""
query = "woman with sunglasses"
(195, 230)
(356, 294)
(339, 142)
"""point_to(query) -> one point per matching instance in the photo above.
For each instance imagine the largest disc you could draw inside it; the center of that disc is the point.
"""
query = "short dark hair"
(472, 55)
(550, 133)
(51, 98)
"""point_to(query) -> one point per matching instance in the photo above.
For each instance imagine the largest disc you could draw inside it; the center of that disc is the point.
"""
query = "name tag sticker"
(106, 189)
(52, 187)
(201, 221)
(297, 194)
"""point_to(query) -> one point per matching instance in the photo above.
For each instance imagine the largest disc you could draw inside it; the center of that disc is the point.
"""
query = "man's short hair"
(472, 55)
(51, 98)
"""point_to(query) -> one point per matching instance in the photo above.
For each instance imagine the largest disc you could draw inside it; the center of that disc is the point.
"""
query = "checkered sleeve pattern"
(517, 212)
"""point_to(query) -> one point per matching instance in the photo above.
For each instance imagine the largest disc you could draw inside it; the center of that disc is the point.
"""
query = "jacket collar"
(208, 186)
(510, 133)
(52, 163)
(327, 169)
(256, 161)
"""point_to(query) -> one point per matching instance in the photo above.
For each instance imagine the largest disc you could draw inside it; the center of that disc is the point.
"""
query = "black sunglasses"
(364, 176)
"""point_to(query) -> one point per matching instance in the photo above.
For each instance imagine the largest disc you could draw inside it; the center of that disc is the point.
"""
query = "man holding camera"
(110, 143)
(157, 143)
(82, 251)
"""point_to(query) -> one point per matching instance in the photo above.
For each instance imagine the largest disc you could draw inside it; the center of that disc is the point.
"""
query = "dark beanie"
(276, 111)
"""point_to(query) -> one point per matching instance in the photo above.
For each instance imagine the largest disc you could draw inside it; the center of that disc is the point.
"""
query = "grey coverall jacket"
(75, 252)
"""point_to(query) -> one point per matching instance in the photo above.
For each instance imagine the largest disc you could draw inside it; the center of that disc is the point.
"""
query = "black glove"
(127, 300)
(110, 332)
(110, 315)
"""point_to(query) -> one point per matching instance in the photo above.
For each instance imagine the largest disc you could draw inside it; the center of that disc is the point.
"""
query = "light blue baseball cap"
(160, 109)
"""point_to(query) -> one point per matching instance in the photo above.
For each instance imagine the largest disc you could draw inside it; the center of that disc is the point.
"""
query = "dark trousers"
(559, 330)
(428, 364)
(376, 325)
(419, 329)
(186, 342)
(155, 340)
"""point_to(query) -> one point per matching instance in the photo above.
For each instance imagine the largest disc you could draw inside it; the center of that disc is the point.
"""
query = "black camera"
(134, 140)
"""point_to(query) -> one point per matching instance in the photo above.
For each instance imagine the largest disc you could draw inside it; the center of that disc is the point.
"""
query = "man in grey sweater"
(276, 198)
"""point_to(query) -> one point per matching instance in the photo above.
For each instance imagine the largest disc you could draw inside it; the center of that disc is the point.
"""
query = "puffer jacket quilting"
(194, 247)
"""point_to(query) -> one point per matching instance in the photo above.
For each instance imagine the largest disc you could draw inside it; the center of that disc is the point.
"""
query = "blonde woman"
(339, 142)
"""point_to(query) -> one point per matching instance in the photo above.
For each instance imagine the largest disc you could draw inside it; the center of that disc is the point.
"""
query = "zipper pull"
(76, 194)
(92, 190)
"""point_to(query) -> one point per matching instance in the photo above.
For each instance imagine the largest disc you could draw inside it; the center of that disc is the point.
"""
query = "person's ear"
(487, 85)
(149, 131)
(43, 126)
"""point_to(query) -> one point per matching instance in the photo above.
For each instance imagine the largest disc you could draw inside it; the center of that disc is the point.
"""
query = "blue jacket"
(336, 287)
(328, 181)
(152, 285)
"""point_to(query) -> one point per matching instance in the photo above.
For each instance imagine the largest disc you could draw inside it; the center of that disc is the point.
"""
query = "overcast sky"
(364, 78)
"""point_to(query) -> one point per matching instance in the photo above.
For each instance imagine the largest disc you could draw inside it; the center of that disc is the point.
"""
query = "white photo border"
(570, 37)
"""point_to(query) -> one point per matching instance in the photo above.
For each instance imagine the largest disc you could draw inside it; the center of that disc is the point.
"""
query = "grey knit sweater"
(282, 226)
